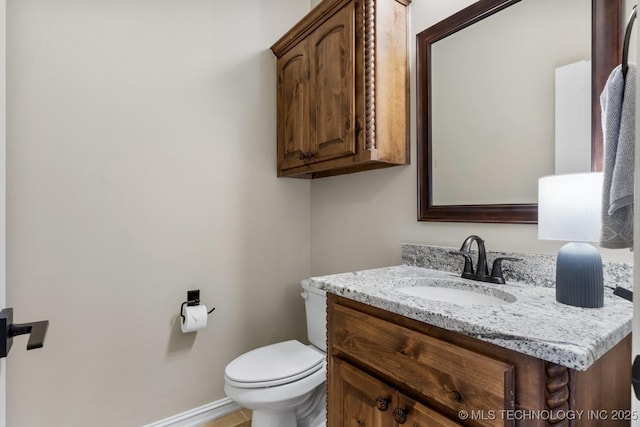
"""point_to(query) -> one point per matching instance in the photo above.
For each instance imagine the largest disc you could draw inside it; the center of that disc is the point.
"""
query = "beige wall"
(359, 221)
(141, 163)
(3, 267)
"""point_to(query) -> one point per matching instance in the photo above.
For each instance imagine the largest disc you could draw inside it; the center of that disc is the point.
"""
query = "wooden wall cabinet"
(343, 89)
(386, 370)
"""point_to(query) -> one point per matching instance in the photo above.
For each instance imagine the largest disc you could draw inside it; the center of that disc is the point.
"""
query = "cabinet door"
(357, 399)
(417, 415)
(332, 80)
(293, 106)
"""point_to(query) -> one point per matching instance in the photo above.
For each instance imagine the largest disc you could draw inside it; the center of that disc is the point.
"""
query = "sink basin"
(456, 292)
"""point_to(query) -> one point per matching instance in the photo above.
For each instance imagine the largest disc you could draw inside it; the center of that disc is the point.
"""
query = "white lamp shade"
(569, 207)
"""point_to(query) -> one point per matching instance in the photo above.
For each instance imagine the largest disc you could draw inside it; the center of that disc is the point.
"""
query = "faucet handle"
(468, 263)
(496, 270)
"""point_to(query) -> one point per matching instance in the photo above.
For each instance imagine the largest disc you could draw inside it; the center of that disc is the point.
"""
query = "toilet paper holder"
(193, 298)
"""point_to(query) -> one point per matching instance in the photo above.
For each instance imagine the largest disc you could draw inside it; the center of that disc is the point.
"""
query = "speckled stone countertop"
(534, 324)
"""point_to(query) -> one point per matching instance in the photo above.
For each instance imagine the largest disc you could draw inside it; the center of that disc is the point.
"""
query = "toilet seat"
(274, 365)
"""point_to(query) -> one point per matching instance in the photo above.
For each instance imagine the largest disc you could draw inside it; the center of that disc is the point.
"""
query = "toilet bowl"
(284, 384)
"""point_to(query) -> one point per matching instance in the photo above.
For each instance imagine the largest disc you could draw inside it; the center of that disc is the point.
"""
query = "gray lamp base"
(579, 276)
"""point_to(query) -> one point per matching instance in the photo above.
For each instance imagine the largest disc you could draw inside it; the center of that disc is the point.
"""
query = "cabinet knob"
(400, 415)
(382, 403)
(302, 156)
(457, 396)
(309, 155)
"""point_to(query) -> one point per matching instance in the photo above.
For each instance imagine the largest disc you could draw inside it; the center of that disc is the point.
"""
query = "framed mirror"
(466, 171)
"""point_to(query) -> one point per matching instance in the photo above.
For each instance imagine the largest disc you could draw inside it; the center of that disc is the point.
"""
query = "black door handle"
(635, 376)
(36, 330)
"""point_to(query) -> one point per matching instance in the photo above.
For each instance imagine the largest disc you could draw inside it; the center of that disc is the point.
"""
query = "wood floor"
(241, 418)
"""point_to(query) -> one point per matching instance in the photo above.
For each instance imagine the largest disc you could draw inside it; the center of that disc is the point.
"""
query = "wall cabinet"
(388, 370)
(342, 89)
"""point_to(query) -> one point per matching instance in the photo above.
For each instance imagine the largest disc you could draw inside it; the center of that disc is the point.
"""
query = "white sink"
(456, 292)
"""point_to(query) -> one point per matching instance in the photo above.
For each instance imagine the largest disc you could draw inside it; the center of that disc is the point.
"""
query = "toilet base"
(270, 419)
(311, 413)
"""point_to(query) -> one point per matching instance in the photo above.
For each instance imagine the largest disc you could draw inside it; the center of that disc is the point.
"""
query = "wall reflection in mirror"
(493, 101)
(504, 97)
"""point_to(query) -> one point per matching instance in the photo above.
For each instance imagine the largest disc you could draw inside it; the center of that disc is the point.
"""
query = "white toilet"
(284, 384)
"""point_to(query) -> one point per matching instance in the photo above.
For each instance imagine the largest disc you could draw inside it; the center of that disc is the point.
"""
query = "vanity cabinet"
(342, 89)
(387, 370)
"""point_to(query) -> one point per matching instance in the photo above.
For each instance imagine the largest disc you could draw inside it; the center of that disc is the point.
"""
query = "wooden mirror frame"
(607, 27)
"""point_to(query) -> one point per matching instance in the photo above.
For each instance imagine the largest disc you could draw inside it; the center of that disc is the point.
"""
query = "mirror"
(455, 163)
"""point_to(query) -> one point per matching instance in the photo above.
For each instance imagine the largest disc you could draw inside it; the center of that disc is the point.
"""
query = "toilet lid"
(273, 365)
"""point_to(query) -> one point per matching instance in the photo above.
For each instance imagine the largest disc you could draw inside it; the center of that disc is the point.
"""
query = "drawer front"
(449, 377)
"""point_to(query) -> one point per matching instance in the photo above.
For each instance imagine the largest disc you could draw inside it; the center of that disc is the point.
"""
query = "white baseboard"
(199, 415)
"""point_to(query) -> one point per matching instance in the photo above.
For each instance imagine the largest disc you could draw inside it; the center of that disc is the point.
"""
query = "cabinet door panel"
(353, 396)
(332, 65)
(293, 105)
(421, 416)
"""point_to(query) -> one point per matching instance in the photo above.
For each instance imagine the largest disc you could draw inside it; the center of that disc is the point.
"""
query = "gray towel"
(618, 126)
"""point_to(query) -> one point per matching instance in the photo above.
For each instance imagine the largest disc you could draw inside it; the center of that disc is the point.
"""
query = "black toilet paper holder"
(193, 298)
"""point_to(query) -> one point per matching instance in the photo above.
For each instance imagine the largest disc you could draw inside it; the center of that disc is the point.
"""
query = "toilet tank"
(315, 304)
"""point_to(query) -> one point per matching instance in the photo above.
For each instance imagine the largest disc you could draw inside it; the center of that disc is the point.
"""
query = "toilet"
(284, 384)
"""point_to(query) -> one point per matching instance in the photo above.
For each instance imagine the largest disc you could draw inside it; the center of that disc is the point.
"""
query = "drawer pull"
(399, 415)
(457, 396)
(382, 403)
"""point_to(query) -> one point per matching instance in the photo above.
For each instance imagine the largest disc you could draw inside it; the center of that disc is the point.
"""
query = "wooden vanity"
(385, 369)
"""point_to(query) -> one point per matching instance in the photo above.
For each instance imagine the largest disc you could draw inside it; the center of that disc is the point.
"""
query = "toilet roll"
(195, 318)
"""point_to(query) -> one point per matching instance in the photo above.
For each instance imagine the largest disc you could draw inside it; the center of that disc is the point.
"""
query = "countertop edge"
(572, 355)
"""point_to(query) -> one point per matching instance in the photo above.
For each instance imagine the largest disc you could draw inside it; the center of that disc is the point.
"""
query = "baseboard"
(199, 415)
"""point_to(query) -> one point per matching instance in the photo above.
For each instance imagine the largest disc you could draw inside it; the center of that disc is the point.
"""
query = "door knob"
(8, 330)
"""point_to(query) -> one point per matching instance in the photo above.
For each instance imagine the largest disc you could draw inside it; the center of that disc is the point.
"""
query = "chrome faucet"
(481, 272)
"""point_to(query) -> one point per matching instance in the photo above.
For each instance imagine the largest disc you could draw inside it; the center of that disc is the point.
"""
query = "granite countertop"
(535, 324)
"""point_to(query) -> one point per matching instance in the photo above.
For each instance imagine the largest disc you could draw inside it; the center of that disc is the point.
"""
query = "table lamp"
(569, 209)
